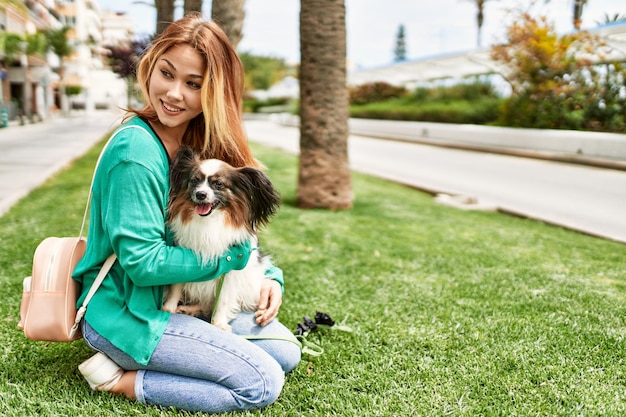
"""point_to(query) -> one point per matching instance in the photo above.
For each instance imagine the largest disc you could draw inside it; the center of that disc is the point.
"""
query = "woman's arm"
(134, 219)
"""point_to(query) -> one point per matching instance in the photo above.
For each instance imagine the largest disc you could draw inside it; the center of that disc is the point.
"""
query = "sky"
(432, 27)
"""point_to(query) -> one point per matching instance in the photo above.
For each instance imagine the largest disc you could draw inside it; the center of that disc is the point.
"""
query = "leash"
(322, 321)
(306, 347)
(303, 329)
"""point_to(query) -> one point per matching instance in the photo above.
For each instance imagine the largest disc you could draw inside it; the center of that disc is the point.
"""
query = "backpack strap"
(106, 267)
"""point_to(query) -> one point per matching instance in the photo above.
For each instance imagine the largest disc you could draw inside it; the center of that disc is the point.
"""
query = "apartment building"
(35, 84)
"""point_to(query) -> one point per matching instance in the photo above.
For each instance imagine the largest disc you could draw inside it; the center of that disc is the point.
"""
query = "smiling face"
(175, 87)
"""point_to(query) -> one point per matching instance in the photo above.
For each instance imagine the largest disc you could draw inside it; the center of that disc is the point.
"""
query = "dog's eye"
(218, 184)
(194, 182)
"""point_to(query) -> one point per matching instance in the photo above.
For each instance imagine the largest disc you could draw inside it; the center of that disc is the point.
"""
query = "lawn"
(453, 312)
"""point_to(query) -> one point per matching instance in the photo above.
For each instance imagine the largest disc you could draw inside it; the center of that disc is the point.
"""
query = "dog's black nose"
(200, 195)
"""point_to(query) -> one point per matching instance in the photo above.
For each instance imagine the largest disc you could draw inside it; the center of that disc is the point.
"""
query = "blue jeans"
(198, 367)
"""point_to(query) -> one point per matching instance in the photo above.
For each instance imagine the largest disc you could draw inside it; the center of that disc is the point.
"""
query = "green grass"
(454, 312)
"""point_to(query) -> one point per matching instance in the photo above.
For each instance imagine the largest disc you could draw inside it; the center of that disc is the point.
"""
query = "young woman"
(193, 83)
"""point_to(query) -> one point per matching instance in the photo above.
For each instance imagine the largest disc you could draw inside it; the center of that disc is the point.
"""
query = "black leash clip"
(308, 324)
(323, 321)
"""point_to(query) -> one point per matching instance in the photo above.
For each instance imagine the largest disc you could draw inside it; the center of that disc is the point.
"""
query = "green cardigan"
(128, 214)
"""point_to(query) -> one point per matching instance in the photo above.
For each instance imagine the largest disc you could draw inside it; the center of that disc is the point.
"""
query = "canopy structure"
(470, 63)
(457, 65)
(614, 35)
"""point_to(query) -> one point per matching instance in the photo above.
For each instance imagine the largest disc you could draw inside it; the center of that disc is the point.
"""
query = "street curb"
(524, 153)
(554, 156)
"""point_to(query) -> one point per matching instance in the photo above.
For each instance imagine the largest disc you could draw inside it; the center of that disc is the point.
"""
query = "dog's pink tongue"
(204, 209)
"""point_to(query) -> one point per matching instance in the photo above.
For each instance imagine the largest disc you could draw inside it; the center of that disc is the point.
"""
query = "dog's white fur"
(210, 235)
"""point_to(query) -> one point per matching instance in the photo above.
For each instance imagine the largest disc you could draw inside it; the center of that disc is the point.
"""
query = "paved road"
(591, 200)
(31, 153)
(588, 199)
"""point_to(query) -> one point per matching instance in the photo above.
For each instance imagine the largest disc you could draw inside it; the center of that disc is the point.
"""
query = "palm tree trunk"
(230, 14)
(480, 18)
(165, 14)
(192, 6)
(578, 13)
(324, 179)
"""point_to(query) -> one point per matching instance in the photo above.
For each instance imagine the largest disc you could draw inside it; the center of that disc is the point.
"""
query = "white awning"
(465, 64)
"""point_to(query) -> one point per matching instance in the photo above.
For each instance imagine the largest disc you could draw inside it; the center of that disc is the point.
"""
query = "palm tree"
(480, 18)
(324, 179)
(164, 15)
(612, 19)
(578, 12)
(230, 14)
(192, 6)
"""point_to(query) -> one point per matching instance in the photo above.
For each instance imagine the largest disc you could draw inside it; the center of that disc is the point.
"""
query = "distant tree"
(230, 15)
(192, 6)
(480, 18)
(37, 44)
(324, 179)
(123, 60)
(59, 45)
(399, 52)
(10, 44)
(262, 71)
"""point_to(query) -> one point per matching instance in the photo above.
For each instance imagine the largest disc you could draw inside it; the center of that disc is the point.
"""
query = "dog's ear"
(264, 198)
(181, 168)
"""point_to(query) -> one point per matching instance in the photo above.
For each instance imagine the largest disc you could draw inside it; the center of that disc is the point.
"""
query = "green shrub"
(475, 101)
(483, 111)
(375, 92)
(253, 105)
(73, 90)
(475, 89)
(577, 111)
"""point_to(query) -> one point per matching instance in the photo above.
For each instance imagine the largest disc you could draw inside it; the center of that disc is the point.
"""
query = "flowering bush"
(375, 92)
(559, 81)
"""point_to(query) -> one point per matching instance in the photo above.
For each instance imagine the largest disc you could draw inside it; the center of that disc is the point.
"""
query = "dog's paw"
(169, 307)
(192, 310)
(224, 327)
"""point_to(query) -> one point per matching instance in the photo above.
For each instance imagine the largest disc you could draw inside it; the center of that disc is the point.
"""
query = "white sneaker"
(101, 372)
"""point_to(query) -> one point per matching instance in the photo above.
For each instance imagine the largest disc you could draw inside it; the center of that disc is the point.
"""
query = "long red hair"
(218, 132)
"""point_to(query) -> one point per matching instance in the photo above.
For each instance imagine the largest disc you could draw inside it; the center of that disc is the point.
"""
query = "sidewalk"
(32, 153)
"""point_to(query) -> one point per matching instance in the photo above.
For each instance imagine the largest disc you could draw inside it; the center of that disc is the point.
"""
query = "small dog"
(212, 206)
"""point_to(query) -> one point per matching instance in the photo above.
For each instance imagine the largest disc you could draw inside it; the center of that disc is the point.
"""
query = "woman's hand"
(269, 302)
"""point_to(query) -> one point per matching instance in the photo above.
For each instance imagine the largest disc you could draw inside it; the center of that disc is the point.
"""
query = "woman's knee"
(268, 389)
(289, 357)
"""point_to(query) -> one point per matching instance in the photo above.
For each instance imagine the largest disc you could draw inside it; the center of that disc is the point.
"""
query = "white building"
(33, 85)
(117, 28)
